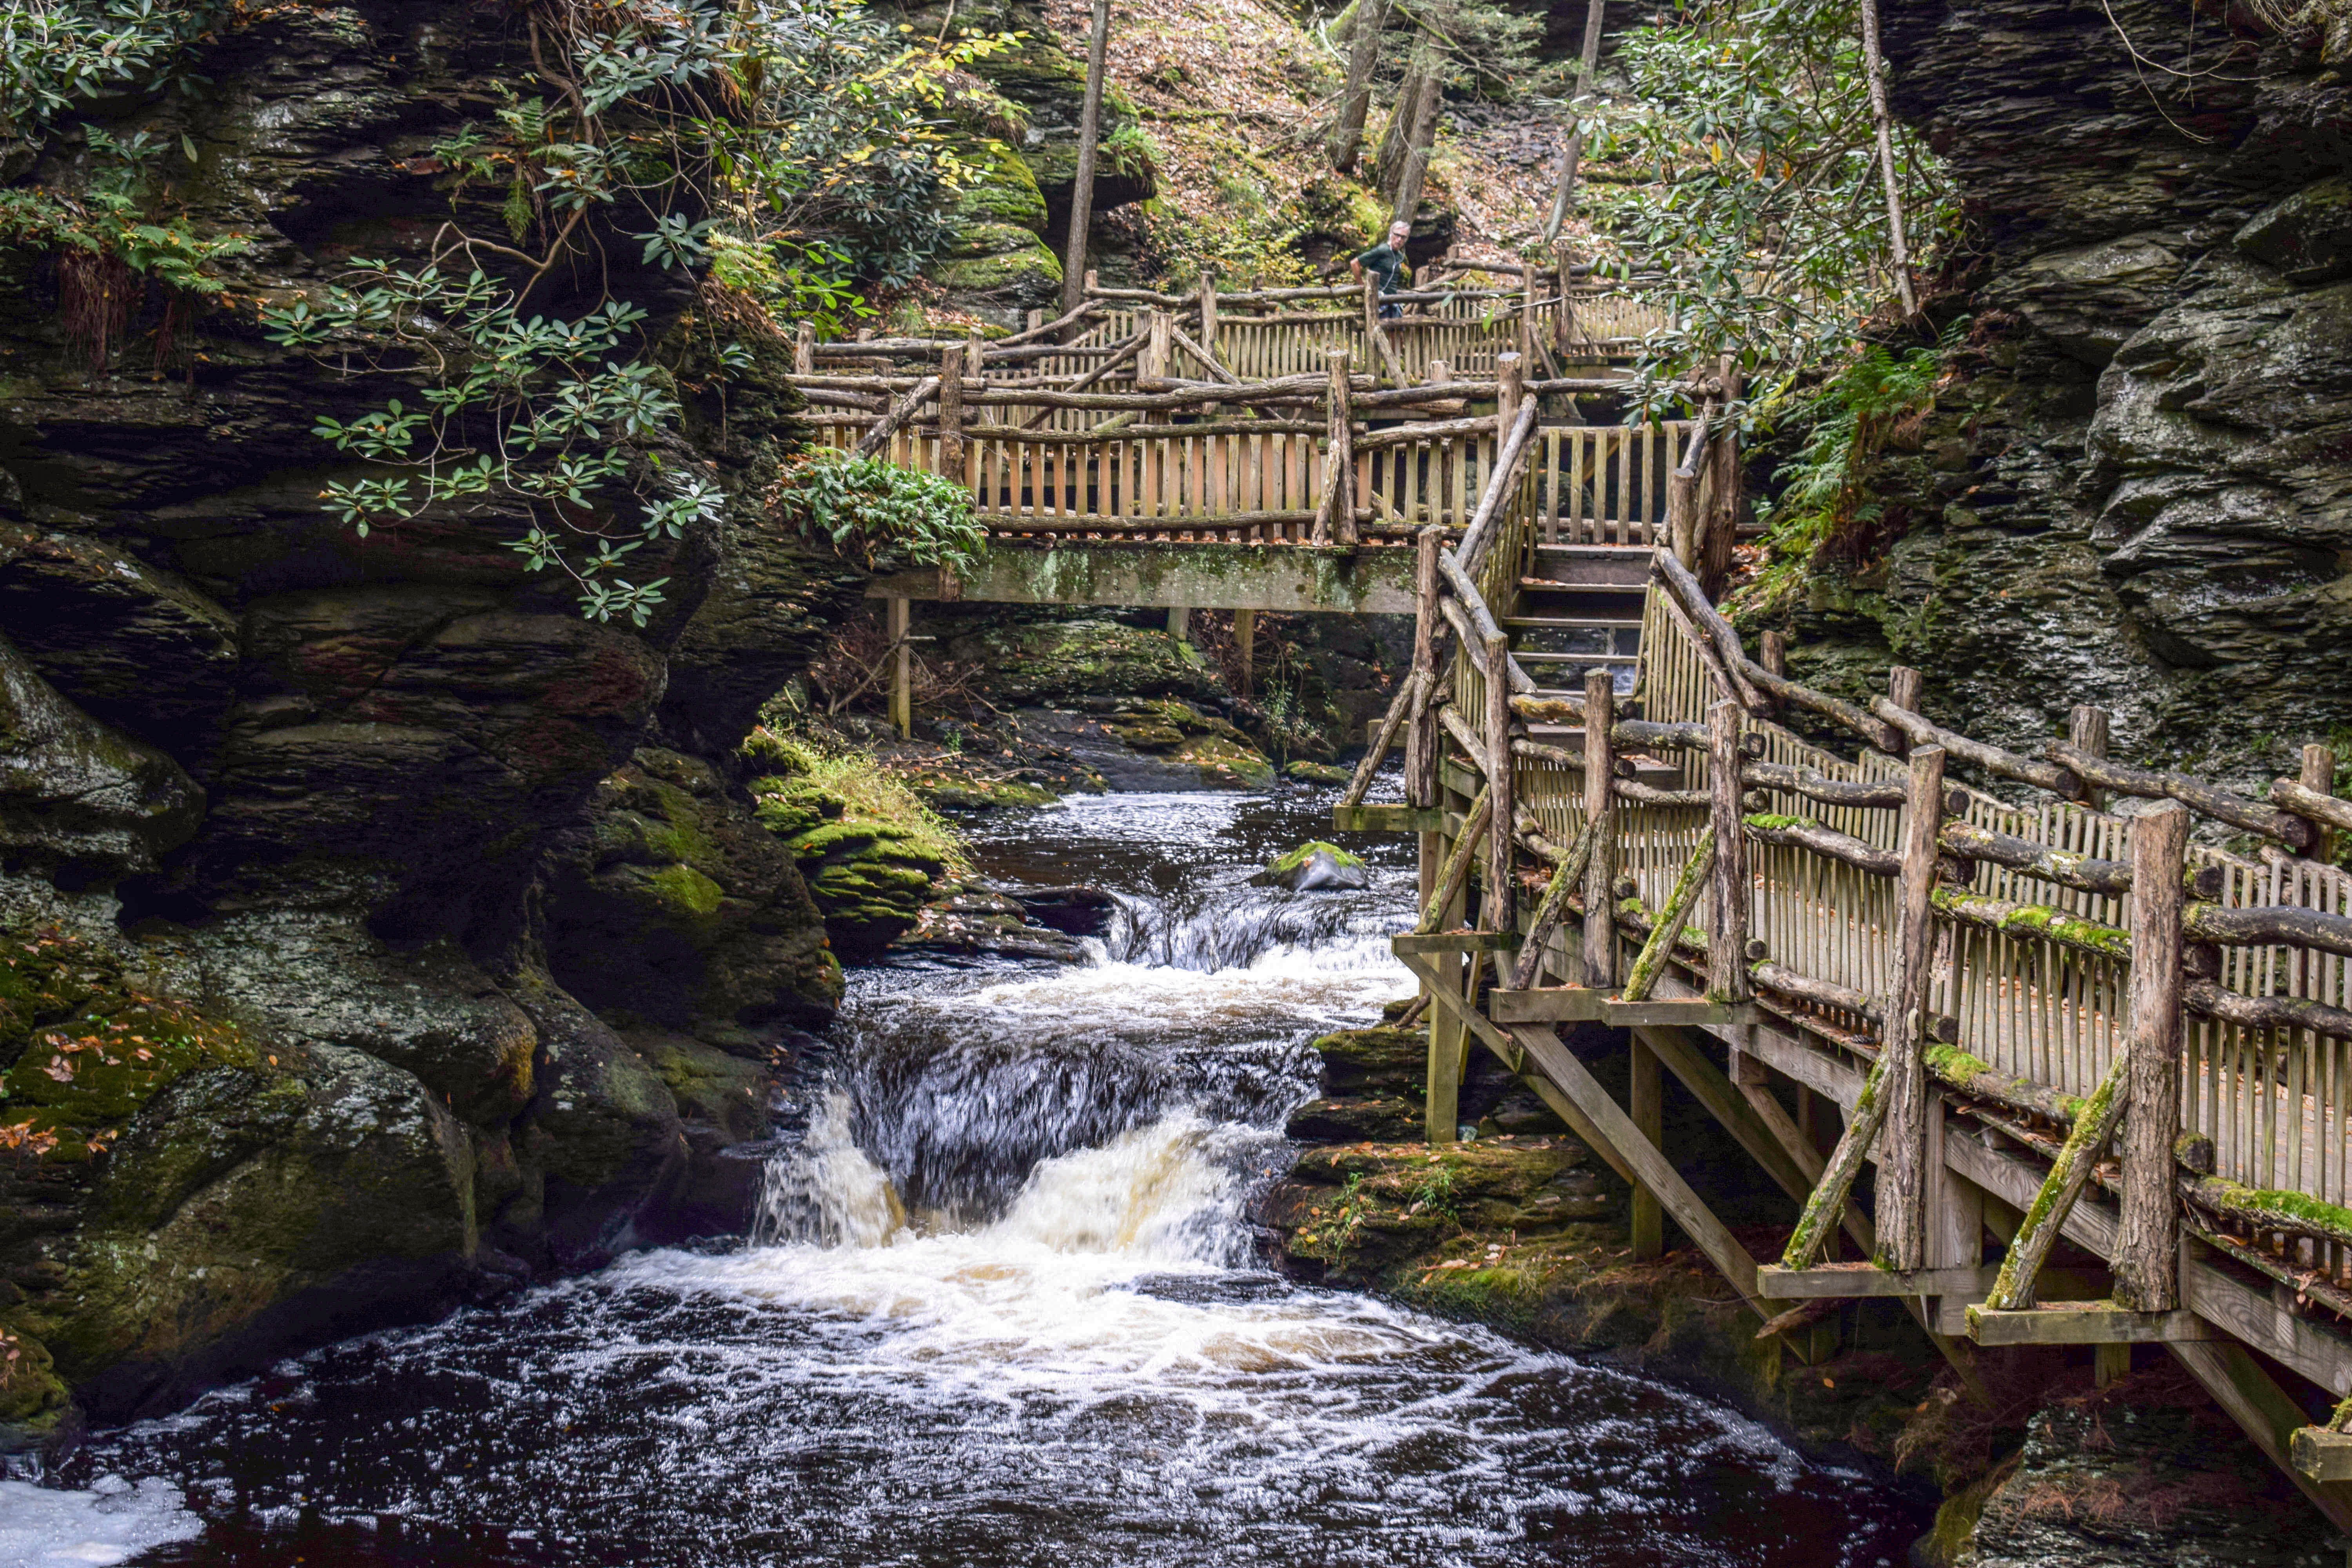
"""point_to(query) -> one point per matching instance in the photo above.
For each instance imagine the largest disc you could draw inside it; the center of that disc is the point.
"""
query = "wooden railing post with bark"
(951, 373)
(1600, 949)
(1726, 935)
(1902, 1160)
(1337, 512)
(1500, 874)
(2148, 1247)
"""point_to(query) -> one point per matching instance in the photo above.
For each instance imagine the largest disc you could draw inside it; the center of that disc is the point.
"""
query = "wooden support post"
(898, 621)
(1955, 1221)
(1563, 321)
(1246, 642)
(2148, 1247)
(1036, 319)
(2087, 727)
(804, 350)
(1646, 1107)
(1082, 190)
(2110, 1364)
(1153, 366)
(1903, 1152)
(1336, 519)
(1501, 874)
(1422, 744)
(1601, 809)
(951, 463)
(1729, 886)
(1776, 655)
(1899, 1057)
(1510, 390)
(2318, 776)
(1904, 687)
(1448, 1037)
(1179, 622)
(1208, 309)
(1530, 336)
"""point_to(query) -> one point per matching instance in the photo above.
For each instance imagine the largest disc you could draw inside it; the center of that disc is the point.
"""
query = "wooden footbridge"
(1271, 449)
(2038, 1005)
(1973, 1009)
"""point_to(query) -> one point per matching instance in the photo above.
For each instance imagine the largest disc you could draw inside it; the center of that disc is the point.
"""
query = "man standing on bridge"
(1385, 262)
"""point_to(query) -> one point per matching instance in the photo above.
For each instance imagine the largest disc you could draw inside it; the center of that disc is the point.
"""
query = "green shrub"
(882, 515)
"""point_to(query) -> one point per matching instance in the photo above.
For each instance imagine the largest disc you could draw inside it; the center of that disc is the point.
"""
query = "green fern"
(1826, 510)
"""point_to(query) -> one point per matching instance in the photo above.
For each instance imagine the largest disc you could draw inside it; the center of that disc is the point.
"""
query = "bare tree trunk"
(1877, 65)
(1574, 155)
(1082, 193)
(1403, 126)
(1355, 103)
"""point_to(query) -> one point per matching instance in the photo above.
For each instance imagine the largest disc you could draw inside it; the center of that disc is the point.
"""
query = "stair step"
(1595, 659)
(1561, 585)
(1572, 622)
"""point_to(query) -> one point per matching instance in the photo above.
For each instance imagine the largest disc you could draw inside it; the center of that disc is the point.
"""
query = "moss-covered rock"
(1317, 864)
(678, 907)
(1306, 771)
(1068, 659)
(869, 878)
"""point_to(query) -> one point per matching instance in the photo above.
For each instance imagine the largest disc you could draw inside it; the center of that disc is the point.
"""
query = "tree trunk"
(1356, 101)
(1877, 65)
(1573, 155)
(1082, 192)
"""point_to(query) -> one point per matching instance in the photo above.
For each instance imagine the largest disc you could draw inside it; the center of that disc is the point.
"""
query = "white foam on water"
(114, 1522)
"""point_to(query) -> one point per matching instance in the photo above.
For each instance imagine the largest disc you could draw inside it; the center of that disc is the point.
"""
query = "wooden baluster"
(2147, 1243)
(1726, 936)
(804, 350)
(1600, 807)
(2087, 727)
(1902, 1155)
(1501, 874)
(1208, 309)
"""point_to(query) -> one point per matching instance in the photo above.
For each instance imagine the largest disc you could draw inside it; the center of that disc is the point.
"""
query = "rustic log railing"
(2107, 1001)
(1328, 457)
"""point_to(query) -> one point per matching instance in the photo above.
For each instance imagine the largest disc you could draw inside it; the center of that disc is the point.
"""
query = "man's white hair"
(1401, 226)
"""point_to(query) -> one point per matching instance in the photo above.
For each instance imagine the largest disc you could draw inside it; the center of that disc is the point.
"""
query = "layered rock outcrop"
(388, 932)
(2139, 493)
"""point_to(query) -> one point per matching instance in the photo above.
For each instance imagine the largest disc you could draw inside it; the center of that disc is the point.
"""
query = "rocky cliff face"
(2140, 494)
(385, 931)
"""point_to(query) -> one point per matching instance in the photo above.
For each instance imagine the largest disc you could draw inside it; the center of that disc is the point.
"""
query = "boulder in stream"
(1315, 865)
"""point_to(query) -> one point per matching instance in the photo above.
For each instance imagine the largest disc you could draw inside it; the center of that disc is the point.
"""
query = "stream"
(1002, 1307)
